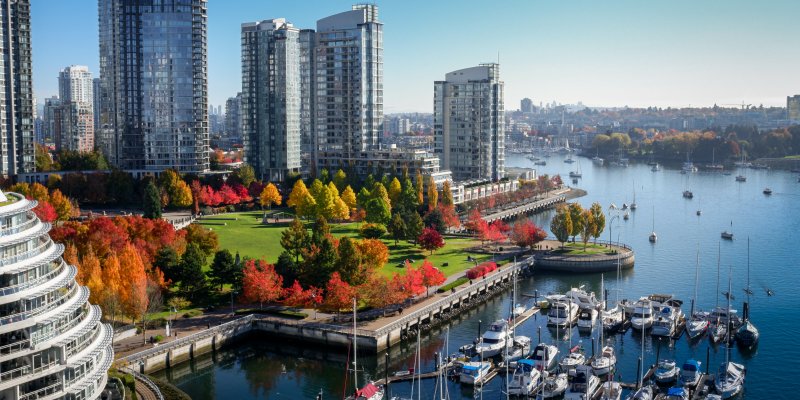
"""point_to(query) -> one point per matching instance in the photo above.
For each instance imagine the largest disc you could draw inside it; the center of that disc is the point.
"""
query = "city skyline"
(677, 54)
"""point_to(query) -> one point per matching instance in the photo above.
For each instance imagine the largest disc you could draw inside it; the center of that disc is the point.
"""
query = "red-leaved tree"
(413, 281)
(45, 211)
(496, 232)
(430, 240)
(431, 276)
(261, 283)
(338, 294)
(527, 234)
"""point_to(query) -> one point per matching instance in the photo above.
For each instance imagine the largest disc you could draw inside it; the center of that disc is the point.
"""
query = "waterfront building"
(75, 88)
(16, 91)
(96, 105)
(348, 66)
(469, 123)
(793, 108)
(52, 344)
(270, 105)
(153, 72)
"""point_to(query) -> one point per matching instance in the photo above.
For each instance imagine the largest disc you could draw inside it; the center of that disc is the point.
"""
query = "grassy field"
(575, 249)
(243, 232)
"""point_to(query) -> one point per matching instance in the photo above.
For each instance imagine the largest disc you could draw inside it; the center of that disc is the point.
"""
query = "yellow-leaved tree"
(270, 196)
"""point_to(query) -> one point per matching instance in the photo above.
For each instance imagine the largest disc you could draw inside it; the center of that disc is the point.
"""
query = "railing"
(24, 370)
(182, 222)
(56, 387)
(36, 282)
(147, 382)
(513, 268)
(19, 228)
(28, 254)
(27, 314)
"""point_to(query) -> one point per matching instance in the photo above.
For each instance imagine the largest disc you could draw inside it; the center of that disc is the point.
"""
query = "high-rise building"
(54, 345)
(75, 88)
(308, 137)
(16, 89)
(51, 119)
(270, 106)
(793, 108)
(468, 117)
(96, 105)
(233, 119)
(526, 105)
(153, 71)
(348, 70)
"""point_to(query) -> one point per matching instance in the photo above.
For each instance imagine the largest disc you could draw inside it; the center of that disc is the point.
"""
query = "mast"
(355, 347)
(696, 278)
(718, 255)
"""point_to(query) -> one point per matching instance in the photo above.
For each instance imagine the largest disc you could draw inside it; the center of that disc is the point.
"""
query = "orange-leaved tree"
(431, 276)
(261, 283)
(269, 196)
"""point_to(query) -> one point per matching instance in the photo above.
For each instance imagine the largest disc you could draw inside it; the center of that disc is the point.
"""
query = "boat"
(624, 206)
(643, 393)
(741, 178)
(612, 319)
(730, 379)
(666, 320)
(370, 391)
(698, 320)
(474, 372)
(554, 385)
(727, 316)
(587, 318)
(717, 331)
(562, 313)
(677, 393)
(699, 213)
(642, 317)
(626, 216)
(569, 159)
(526, 379)
(624, 161)
(727, 235)
(577, 173)
(611, 390)
(573, 359)
(666, 372)
(520, 348)
(690, 373)
(655, 168)
(653, 237)
(747, 335)
(583, 299)
(584, 384)
(540, 162)
(544, 356)
(605, 363)
(518, 310)
(767, 191)
(597, 160)
(688, 194)
(688, 167)
(493, 340)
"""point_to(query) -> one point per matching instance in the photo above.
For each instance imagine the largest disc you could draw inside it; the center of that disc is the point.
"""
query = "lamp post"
(612, 207)
(232, 293)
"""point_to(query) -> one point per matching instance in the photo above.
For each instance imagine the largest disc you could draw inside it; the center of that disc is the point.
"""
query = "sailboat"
(714, 164)
(698, 324)
(643, 392)
(653, 236)
(612, 320)
(742, 164)
(517, 347)
(730, 377)
(727, 234)
(719, 329)
(747, 335)
(633, 204)
(370, 391)
(607, 361)
(577, 173)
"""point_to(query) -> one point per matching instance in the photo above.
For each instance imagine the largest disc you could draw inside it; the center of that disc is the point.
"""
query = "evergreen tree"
(286, 267)
(167, 261)
(397, 227)
(321, 230)
(318, 264)
(152, 201)
(192, 278)
(349, 263)
(435, 220)
(294, 239)
(222, 268)
(414, 226)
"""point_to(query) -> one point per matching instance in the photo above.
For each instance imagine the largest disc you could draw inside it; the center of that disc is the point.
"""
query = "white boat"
(643, 393)
(741, 178)
(584, 300)
(690, 373)
(474, 372)
(587, 318)
(518, 310)
(526, 379)
(697, 325)
(612, 319)
(747, 335)
(370, 391)
(666, 372)
(573, 359)
(633, 203)
(730, 379)
(718, 331)
(597, 160)
(687, 194)
(653, 237)
(562, 313)
(666, 320)
(611, 390)
(642, 317)
(606, 362)
(520, 349)
(727, 316)
(554, 385)
(493, 340)
(655, 168)
(584, 384)
(544, 356)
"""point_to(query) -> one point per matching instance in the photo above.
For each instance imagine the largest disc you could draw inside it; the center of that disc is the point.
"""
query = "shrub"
(372, 231)
(481, 270)
(456, 283)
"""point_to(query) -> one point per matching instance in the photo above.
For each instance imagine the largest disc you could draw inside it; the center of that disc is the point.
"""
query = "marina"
(667, 265)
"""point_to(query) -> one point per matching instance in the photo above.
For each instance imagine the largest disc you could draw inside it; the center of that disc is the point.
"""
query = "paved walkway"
(144, 392)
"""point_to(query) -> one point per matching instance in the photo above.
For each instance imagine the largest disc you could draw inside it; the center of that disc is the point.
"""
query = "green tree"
(340, 180)
(319, 262)
(286, 267)
(193, 280)
(246, 175)
(321, 230)
(586, 226)
(576, 215)
(323, 198)
(349, 262)
(222, 268)
(379, 192)
(397, 227)
(152, 201)
(434, 219)
(363, 197)
(598, 220)
(378, 211)
(120, 187)
(294, 239)
(42, 158)
(395, 190)
(167, 260)
(414, 226)
(561, 224)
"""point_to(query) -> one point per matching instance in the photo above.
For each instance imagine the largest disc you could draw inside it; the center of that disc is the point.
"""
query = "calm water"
(265, 368)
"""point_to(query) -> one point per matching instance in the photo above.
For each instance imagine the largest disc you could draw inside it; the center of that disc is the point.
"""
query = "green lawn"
(574, 249)
(243, 232)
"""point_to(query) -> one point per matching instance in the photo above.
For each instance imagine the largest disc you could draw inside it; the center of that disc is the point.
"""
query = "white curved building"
(52, 344)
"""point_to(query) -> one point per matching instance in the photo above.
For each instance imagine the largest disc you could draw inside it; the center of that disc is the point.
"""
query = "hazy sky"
(603, 53)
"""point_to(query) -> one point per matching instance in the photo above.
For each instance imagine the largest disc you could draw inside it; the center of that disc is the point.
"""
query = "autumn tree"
(349, 197)
(414, 227)
(45, 211)
(62, 205)
(430, 240)
(447, 195)
(575, 214)
(561, 224)
(90, 275)
(323, 199)
(476, 223)
(379, 192)
(203, 237)
(380, 292)
(349, 263)
(431, 276)
(433, 194)
(338, 294)
(395, 189)
(496, 232)
(260, 282)
(296, 296)
(412, 282)
(374, 254)
(302, 201)
(269, 196)
(419, 188)
(340, 180)
(527, 234)
(197, 191)
(397, 227)
(598, 220)
(587, 226)
(133, 282)
(152, 201)
(294, 239)
(246, 174)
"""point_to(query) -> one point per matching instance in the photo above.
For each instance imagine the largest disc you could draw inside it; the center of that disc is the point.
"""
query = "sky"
(602, 53)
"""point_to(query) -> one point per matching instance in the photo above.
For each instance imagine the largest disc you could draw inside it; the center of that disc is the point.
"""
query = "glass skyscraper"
(153, 71)
(16, 92)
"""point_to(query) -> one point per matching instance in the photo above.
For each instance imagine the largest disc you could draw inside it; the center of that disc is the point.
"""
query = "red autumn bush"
(481, 270)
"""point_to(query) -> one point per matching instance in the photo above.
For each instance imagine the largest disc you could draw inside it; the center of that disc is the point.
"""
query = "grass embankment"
(577, 249)
(244, 232)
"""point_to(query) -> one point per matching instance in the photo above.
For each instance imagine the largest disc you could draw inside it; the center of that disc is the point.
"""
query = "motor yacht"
(587, 318)
(666, 320)
(606, 362)
(642, 318)
(554, 385)
(520, 348)
(667, 372)
(573, 359)
(562, 313)
(544, 356)
(474, 372)
(525, 380)
(493, 340)
(584, 384)
(690, 373)
(584, 300)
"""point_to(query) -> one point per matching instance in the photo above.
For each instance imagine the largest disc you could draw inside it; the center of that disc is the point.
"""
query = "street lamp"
(233, 292)
(610, 224)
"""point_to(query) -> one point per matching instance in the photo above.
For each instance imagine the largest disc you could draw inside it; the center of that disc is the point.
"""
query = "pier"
(529, 206)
